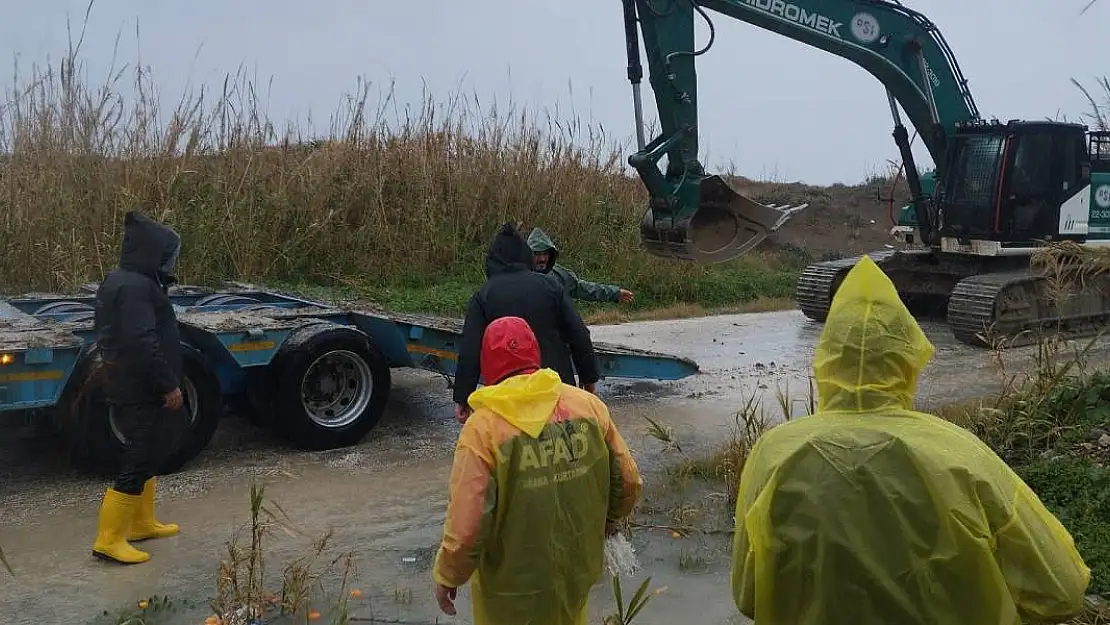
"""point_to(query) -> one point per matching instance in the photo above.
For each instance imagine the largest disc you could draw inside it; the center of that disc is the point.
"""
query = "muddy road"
(384, 499)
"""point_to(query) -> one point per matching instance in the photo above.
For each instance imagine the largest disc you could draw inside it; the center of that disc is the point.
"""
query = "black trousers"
(152, 433)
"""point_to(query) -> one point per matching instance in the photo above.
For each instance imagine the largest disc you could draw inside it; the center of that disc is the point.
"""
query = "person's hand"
(445, 597)
(590, 388)
(626, 296)
(462, 413)
(173, 399)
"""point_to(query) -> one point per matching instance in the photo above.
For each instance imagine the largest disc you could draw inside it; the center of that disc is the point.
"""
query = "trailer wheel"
(94, 439)
(203, 404)
(331, 388)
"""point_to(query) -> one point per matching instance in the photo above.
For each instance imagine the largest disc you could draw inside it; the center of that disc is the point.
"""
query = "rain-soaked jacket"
(576, 287)
(135, 322)
(869, 513)
(512, 289)
(539, 468)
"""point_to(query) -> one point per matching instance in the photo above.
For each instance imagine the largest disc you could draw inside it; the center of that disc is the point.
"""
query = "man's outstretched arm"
(585, 290)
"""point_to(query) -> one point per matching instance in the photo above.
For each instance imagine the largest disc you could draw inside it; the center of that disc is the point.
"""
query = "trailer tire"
(209, 409)
(330, 388)
(258, 398)
(93, 441)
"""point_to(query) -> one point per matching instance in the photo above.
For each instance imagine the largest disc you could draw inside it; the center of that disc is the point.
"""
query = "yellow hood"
(525, 401)
(871, 350)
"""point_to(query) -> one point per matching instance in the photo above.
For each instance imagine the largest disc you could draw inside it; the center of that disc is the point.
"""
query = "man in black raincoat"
(141, 353)
(512, 289)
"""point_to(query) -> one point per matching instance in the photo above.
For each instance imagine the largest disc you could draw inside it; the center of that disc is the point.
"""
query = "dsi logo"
(1102, 196)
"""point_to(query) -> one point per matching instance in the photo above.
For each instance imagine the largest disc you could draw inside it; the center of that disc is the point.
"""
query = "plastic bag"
(620, 557)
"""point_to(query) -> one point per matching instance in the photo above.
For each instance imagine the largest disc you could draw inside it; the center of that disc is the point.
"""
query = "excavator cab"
(1009, 182)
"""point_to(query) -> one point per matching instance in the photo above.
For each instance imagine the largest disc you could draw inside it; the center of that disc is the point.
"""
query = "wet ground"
(384, 499)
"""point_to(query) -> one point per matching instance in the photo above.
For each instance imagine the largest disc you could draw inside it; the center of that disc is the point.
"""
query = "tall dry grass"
(1098, 106)
(387, 192)
(417, 191)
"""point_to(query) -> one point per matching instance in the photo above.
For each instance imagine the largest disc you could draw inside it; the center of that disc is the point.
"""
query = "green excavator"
(998, 193)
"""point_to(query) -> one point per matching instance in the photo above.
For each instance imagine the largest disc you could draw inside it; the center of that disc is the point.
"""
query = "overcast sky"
(772, 107)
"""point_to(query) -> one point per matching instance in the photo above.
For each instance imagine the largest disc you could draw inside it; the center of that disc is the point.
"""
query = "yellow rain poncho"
(539, 469)
(868, 513)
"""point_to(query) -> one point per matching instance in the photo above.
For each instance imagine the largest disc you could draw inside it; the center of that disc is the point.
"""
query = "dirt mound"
(840, 220)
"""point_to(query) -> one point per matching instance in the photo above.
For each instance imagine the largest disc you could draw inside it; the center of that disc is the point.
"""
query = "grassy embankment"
(393, 204)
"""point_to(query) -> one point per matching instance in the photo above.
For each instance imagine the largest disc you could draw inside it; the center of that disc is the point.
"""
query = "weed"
(690, 561)
(239, 588)
(242, 594)
(1098, 112)
(1095, 612)
(663, 433)
(687, 515)
(153, 610)
(726, 464)
(1051, 404)
(626, 613)
(402, 596)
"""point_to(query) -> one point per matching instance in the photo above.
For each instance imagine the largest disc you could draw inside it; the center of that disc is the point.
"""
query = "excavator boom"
(691, 215)
(695, 216)
(1000, 191)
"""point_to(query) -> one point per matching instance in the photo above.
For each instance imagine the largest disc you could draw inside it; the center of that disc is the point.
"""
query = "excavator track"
(1010, 306)
(818, 282)
(1016, 308)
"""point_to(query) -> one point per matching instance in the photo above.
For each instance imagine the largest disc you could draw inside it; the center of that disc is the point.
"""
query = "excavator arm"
(695, 216)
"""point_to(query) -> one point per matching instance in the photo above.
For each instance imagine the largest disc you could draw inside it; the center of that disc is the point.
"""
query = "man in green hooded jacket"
(545, 255)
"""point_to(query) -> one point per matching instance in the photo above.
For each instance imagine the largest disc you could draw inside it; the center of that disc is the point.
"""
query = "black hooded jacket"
(512, 289)
(135, 323)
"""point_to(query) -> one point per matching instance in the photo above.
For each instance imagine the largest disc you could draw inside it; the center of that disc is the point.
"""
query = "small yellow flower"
(356, 593)
(143, 604)
(676, 535)
(313, 615)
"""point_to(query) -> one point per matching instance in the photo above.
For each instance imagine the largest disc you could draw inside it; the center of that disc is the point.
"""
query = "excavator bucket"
(724, 225)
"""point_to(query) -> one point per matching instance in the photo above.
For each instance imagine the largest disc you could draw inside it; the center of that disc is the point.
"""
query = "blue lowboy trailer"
(318, 374)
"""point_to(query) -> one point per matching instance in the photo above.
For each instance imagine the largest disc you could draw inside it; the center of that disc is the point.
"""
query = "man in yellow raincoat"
(540, 474)
(869, 513)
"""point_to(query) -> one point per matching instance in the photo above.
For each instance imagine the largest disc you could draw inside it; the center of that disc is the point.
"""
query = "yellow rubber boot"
(144, 525)
(116, 513)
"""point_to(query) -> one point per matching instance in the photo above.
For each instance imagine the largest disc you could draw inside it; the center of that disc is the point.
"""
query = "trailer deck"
(243, 343)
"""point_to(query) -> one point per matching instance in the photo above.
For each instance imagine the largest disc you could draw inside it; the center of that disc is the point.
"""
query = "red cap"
(509, 348)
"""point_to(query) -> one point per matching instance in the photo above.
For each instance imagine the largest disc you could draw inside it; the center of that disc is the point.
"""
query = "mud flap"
(724, 225)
